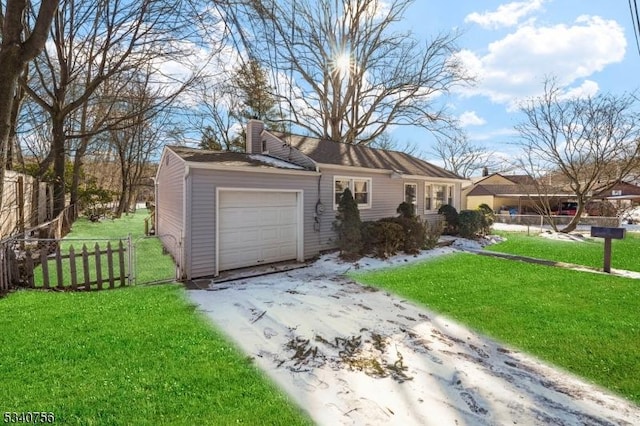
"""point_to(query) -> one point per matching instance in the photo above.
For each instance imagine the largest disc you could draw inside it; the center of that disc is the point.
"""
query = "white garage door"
(256, 228)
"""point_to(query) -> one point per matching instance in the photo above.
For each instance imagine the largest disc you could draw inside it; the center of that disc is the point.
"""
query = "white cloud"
(517, 65)
(507, 15)
(470, 118)
(587, 88)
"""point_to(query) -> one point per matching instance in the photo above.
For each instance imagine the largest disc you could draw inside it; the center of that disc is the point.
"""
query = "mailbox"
(606, 232)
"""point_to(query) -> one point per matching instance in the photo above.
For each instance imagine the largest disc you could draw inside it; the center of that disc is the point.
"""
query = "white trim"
(353, 169)
(415, 195)
(299, 208)
(351, 179)
(451, 181)
(186, 222)
(449, 187)
(162, 159)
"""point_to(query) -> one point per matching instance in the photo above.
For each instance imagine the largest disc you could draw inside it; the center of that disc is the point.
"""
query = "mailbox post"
(608, 234)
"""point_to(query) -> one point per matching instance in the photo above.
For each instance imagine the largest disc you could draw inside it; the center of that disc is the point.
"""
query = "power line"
(635, 19)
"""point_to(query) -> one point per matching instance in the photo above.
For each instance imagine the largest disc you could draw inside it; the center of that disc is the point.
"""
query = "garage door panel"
(256, 228)
(242, 199)
(237, 240)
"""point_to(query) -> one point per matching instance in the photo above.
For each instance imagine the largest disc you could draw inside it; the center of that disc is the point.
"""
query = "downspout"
(186, 228)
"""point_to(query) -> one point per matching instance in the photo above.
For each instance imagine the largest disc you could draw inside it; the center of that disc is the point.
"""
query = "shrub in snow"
(451, 219)
(470, 223)
(488, 218)
(406, 210)
(432, 234)
(347, 225)
(382, 239)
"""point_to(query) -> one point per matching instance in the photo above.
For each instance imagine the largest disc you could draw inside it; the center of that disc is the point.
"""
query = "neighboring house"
(278, 201)
(622, 196)
(622, 191)
(25, 203)
(503, 193)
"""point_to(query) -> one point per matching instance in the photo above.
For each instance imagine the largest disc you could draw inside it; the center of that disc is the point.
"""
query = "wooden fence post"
(121, 261)
(98, 267)
(59, 274)
(110, 264)
(85, 267)
(72, 268)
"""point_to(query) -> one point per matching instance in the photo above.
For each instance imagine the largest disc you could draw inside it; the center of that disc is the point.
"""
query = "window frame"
(415, 194)
(352, 180)
(430, 193)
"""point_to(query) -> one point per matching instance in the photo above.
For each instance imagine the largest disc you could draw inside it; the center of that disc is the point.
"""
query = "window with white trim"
(437, 195)
(411, 194)
(360, 189)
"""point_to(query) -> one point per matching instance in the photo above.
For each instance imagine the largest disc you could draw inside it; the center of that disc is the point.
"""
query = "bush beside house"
(347, 226)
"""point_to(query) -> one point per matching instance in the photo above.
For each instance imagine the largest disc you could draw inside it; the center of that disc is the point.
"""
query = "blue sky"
(588, 45)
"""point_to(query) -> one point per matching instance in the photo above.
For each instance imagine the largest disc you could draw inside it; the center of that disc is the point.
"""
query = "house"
(620, 198)
(501, 192)
(277, 201)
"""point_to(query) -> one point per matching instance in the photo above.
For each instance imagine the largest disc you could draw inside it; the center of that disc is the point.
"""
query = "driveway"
(349, 354)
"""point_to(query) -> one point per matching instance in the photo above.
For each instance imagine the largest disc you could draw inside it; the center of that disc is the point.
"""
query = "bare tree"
(388, 142)
(226, 104)
(220, 127)
(462, 157)
(137, 141)
(94, 42)
(20, 43)
(349, 72)
(580, 144)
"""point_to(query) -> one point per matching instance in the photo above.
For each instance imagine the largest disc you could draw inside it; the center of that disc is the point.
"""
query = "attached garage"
(257, 227)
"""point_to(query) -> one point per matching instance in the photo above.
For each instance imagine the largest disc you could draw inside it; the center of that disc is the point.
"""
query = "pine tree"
(348, 225)
(256, 93)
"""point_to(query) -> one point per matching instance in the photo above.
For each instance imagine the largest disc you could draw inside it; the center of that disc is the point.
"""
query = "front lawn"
(138, 355)
(586, 323)
(587, 253)
(151, 263)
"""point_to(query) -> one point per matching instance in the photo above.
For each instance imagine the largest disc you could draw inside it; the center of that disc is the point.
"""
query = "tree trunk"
(57, 148)
(15, 51)
(573, 224)
(9, 72)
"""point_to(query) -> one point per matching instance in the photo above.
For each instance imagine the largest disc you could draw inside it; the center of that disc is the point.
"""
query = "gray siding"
(202, 210)
(169, 201)
(386, 195)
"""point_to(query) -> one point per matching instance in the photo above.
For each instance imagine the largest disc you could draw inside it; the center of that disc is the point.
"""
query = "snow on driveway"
(350, 354)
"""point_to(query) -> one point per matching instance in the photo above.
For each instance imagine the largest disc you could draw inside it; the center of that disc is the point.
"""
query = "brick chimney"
(254, 136)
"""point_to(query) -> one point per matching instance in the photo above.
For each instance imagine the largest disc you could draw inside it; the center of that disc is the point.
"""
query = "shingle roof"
(625, 188)
(239, 159)
(501, 190)
(519, 179)
(342, 154)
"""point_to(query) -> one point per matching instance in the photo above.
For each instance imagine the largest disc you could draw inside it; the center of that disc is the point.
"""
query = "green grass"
(138, 355)
(588, 253)
(586, 323)
(150, 262)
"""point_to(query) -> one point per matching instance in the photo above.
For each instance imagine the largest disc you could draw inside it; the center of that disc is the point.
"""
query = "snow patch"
(276, 162)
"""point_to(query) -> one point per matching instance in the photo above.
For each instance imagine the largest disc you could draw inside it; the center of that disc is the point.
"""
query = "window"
(360, 188)
(427, 197)
(411, 194)
(440, 192)
(435, 196)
